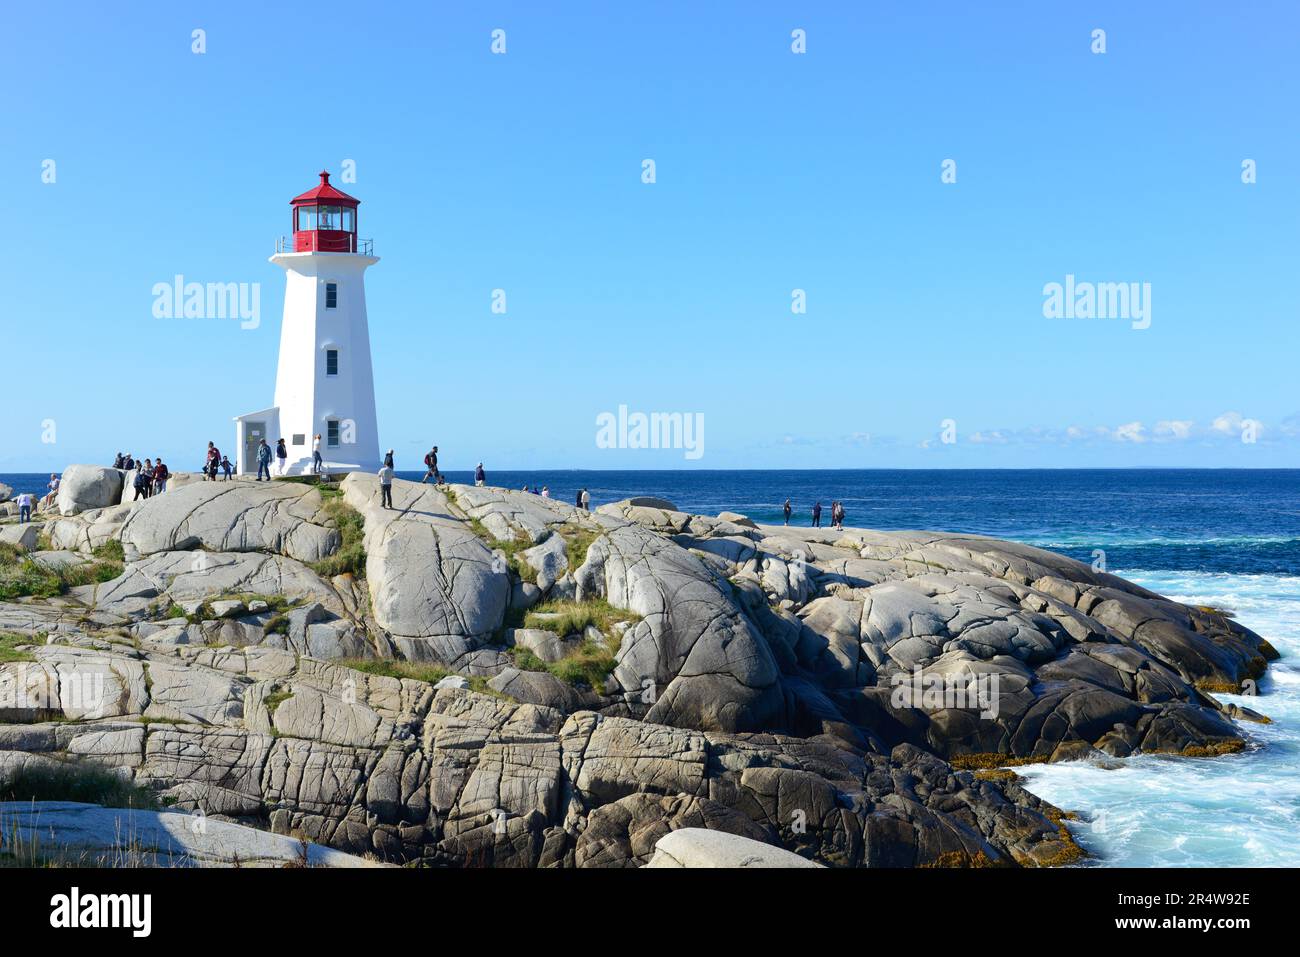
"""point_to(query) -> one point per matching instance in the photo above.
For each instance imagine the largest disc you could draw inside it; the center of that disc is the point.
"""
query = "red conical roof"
(324, 193)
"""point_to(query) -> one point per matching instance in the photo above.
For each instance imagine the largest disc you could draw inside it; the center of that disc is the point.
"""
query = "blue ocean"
(1228, 538)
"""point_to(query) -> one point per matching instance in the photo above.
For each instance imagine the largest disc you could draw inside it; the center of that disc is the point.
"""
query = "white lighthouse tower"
(324, 384)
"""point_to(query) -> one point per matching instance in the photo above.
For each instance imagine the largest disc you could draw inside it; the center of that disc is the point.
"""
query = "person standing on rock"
(787, 510)
(137, 482)
(25, 503)
(316, 460)
(431, 463)
(586, 500)
(386, 484)
(282, 456)
(160, 477)
(227, 466)
(210, 463)
(577, 499)
(388, 459)
(263, 460)
(480, 477)
(817, 515)
(837, 514)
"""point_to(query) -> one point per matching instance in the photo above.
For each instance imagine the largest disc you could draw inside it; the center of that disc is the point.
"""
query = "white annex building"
(324, 384)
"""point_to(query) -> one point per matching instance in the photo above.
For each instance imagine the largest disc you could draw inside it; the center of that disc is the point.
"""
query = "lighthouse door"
(254, 432)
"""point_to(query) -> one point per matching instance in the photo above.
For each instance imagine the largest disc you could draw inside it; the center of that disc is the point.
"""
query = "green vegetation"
(9, 643)
(110, 551)
(278, 625)
(20, 577)
(390, 668)
(511, 548)
(350, 559)
(275, 699)
(592, 661)
(572, 617)
(75, 781)
(577, 540)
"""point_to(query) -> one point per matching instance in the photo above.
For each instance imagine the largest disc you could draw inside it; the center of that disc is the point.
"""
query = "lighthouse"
(324, 384)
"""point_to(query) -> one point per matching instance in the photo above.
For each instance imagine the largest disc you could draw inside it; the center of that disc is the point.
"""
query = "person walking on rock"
(263, 460)
(480, 477)
(228, 467)
(787, 510)
(431, 463)
(316, 460)
(817, 515)
(837, 514)
(386, 484)
(281, 456)
(211, 463)
(160, 476)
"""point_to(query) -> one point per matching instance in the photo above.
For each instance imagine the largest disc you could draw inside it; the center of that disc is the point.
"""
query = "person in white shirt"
(25, 503)
(316, 461)
(54, 490)
(386, 486)
(586, 500)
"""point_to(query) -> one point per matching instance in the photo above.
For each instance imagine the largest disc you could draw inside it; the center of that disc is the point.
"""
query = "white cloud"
(1130, 432)
(1174, 429)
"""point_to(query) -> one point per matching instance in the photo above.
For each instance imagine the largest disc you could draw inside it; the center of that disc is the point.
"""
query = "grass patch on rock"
(20, 577)
(350, 559)
(9, 643)
(392, 668)
(75, 781)
(567, 617)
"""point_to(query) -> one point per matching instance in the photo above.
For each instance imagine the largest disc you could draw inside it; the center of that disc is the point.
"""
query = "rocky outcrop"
(85, 487)
(281, 517)
(87, 835)
(700, 847)
(813, 690)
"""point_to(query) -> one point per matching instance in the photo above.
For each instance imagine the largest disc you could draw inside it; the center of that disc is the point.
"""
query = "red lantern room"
(324, 220)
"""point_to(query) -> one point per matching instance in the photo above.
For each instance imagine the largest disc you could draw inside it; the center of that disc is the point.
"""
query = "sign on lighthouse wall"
(324, 383)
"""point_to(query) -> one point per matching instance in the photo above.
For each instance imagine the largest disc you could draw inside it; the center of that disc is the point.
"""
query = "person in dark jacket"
(281, 454)
(160, 476)
(817, 515)
(138, 483)
(787, 510)
(388, 460)
(480, 477)
(263, 460)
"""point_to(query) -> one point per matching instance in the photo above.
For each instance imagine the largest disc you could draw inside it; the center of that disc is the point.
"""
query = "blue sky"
(774, 172)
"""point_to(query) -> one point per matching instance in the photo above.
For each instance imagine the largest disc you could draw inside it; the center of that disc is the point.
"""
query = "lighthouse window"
(349, 220)
(332, 433)
(306, 217)
(331, 295)
(331, 362)
(329, 217)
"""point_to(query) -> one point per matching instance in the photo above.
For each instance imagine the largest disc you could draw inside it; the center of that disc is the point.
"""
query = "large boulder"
(89, 834)
(698, 847)
(435, 586)
(283, 517)
(695, 654)
(20, 536)
(85, 487)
